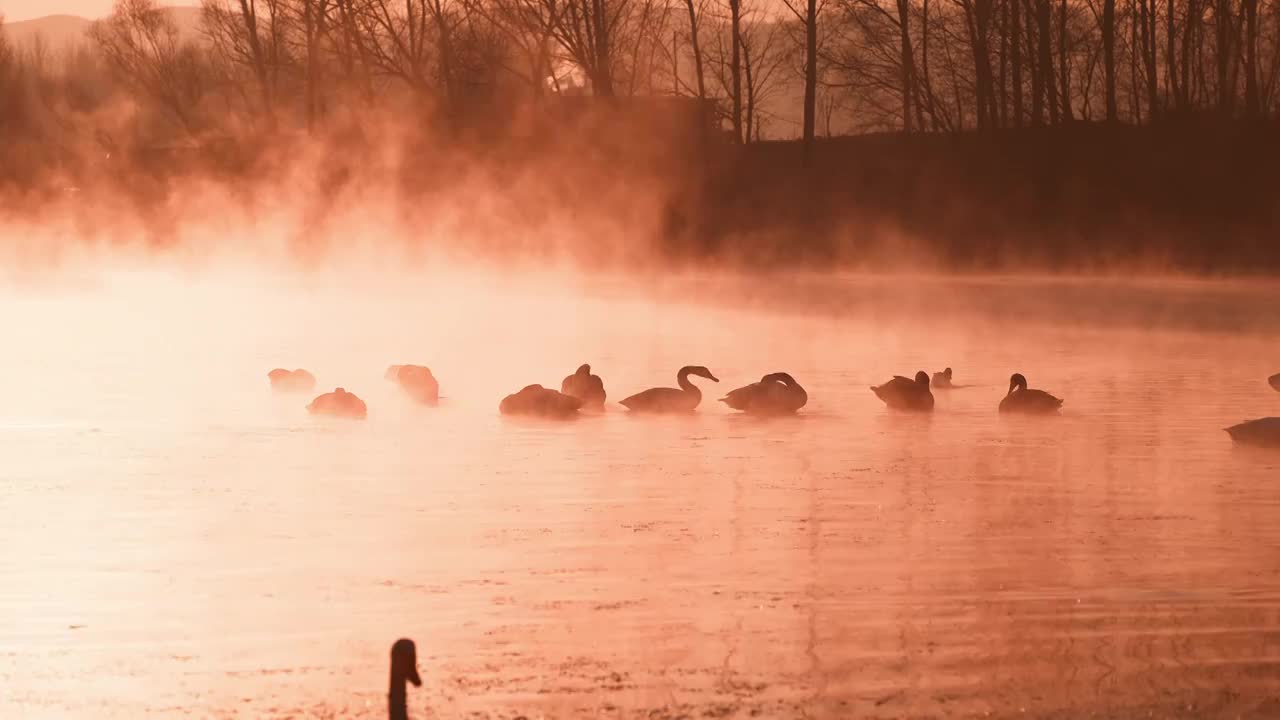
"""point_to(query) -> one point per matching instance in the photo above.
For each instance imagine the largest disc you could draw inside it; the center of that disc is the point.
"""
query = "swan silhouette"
(942, 380)
(906, 394)
(1020, 399)
(671, 400)
(339, 403)
(586, 387)
(1263, 432)
(776, 394)
(291, 380)
(1274, 380)
(537, 401)
(416, 381)
(404, 670)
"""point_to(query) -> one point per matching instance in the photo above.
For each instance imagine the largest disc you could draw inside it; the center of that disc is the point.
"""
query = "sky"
(18, 10)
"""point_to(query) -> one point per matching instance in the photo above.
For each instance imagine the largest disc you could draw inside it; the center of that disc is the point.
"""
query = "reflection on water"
(179, 541)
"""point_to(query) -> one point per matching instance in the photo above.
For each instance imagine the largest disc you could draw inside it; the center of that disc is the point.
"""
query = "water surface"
(177, 541)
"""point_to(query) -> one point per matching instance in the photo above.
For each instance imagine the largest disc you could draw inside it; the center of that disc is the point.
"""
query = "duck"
(942, 380)
(537, 401)
(586, 387)
(671, 400)
(906, 394)
(404, 670)
(776, 394)
(1020, 399)
(291, 380)
(416, 381)
(1263, 432)
(339, 403)
(1274, 381)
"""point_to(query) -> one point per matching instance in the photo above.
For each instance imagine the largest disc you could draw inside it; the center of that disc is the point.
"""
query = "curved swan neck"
(682, 379)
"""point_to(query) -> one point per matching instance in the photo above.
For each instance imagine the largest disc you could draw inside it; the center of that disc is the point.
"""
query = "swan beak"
(413, 677)
(713, 378)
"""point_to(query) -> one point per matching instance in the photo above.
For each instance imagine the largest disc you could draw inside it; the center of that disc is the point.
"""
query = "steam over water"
(178, 541)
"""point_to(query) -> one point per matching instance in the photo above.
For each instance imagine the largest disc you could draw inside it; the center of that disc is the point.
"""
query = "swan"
(776, 394)
(1263, 432)
(541, 402)
(943, 379)
(586, 387)
(1020, 399)
(339, 403)
(906, 394)
(670, 400)
(1274, 380)
(404, 670)
(291, 380)
(417, 382)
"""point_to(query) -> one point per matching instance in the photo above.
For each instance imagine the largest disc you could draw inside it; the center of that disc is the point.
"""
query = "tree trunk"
(1004, 64)
(1064, 70)
(1044, 45)
(1109, 56)
(697, 48)
(602, 78)
(924, 85)
(907, 61)
(735, 11)
(810, 77)
(1251, 105)
(1223, 53)
(1171, 54)
(1037, 71)
(1015, 61)
(1148, 15)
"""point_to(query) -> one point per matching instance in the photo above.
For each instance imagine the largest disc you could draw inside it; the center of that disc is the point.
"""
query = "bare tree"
(141, 42)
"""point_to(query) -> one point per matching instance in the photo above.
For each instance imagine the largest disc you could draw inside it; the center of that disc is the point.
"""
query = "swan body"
(1020, 399)
(942, 380)
(671, 400)
(404, 670)
(339, 403)
(416, 381)
(586, 387)
(775, 394)
(1274, 381)
(537, 401)
(1263, 432)
(906, 394)
(291, 380)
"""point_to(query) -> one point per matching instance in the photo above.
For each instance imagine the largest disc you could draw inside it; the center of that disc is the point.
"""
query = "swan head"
(922, 378)
(584, 369)
(947, 373)
(784, 378)
(1017, 382)
(404, 662)
(700, 371)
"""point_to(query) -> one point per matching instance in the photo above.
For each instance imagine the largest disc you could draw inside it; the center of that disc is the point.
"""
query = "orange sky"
(16, 10)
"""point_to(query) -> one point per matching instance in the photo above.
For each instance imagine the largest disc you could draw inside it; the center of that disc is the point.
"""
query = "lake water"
(177, 541)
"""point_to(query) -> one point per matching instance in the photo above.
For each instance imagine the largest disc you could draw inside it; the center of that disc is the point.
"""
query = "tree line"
(770, 68)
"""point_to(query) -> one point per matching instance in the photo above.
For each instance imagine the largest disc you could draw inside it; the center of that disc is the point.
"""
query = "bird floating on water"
(416, 381)
(586, 387)
(339, 403)
(906, 394)
(1274, 380)
(537, 401)
(943, 380)
(291, 380)
(1020, 399)
(404, 670)
(671, 400)
(776, 394)
(1263, 432)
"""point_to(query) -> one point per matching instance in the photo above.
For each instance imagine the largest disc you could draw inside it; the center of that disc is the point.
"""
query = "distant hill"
(61, 31)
